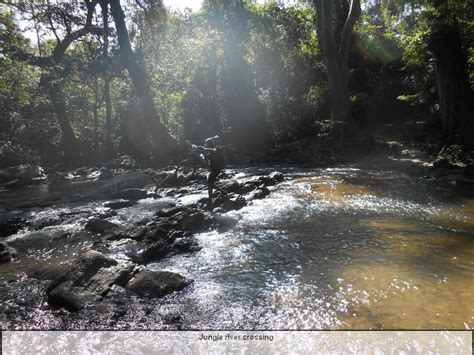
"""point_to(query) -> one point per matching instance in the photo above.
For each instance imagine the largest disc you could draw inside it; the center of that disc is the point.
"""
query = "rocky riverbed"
(76, 246)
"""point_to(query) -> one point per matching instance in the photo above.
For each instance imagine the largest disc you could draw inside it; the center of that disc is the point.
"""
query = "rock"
(22, 175)
(154, 234)
(88, 279)
(157, 251)
(11, 226)
(125, 162)
(196, 221)
(116, 205)
(7, 253)
(169, 212)
(157, 283)
(97, 225)
(81, 172)
(185, 245)
(233, 186)
(276, 177)
(68, 296)
(230, 202)
(131, 194)
(44, 222)
(259, 193)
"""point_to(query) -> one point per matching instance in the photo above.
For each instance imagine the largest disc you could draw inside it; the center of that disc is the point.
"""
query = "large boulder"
(7, 253)
(157, 283)
(88, 279)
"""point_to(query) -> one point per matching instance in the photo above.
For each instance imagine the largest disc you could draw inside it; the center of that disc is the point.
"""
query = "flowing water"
(336, 248)
(355, 247)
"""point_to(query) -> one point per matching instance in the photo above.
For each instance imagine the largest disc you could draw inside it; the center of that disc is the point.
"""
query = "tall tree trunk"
(69, 143)
(163, 143)
(336, 56)
(96, 116)
(53, 84)
(455, 94)
(108, 104)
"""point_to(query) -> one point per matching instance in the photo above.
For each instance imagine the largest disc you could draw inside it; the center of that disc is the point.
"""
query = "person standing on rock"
(216, 161)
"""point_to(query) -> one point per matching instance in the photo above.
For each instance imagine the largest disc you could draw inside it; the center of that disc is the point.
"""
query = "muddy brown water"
(354, 247)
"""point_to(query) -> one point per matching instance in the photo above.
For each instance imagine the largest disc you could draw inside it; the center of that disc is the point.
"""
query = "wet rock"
(88, 279)
(22, 175)
(99, 225)
(11, 226)
(125, 162)
(129, 232)
(7, 253)
(157, 283)
(116, 205)
(81, 172)
(233, 186)
(44, 222)
(154, 234)
(276, 177)
(195, 221)
(185, 245)
(230, 201)
(259, 193)
(131, 194)
(170, 211)
(157, 251)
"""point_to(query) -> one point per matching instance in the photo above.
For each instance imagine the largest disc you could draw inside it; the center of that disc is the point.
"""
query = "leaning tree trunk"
(163, 143)
(454, 91)
(336, 57)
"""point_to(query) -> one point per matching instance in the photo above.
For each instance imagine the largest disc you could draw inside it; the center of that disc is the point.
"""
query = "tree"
(455, 94)
(105, 53)
(163, 143)
(336, 56)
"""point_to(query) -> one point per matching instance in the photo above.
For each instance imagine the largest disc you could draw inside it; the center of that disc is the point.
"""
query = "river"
(360, 246)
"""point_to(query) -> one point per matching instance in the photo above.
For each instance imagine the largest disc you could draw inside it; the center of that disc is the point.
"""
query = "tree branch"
(345, 44)
(60, 49)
